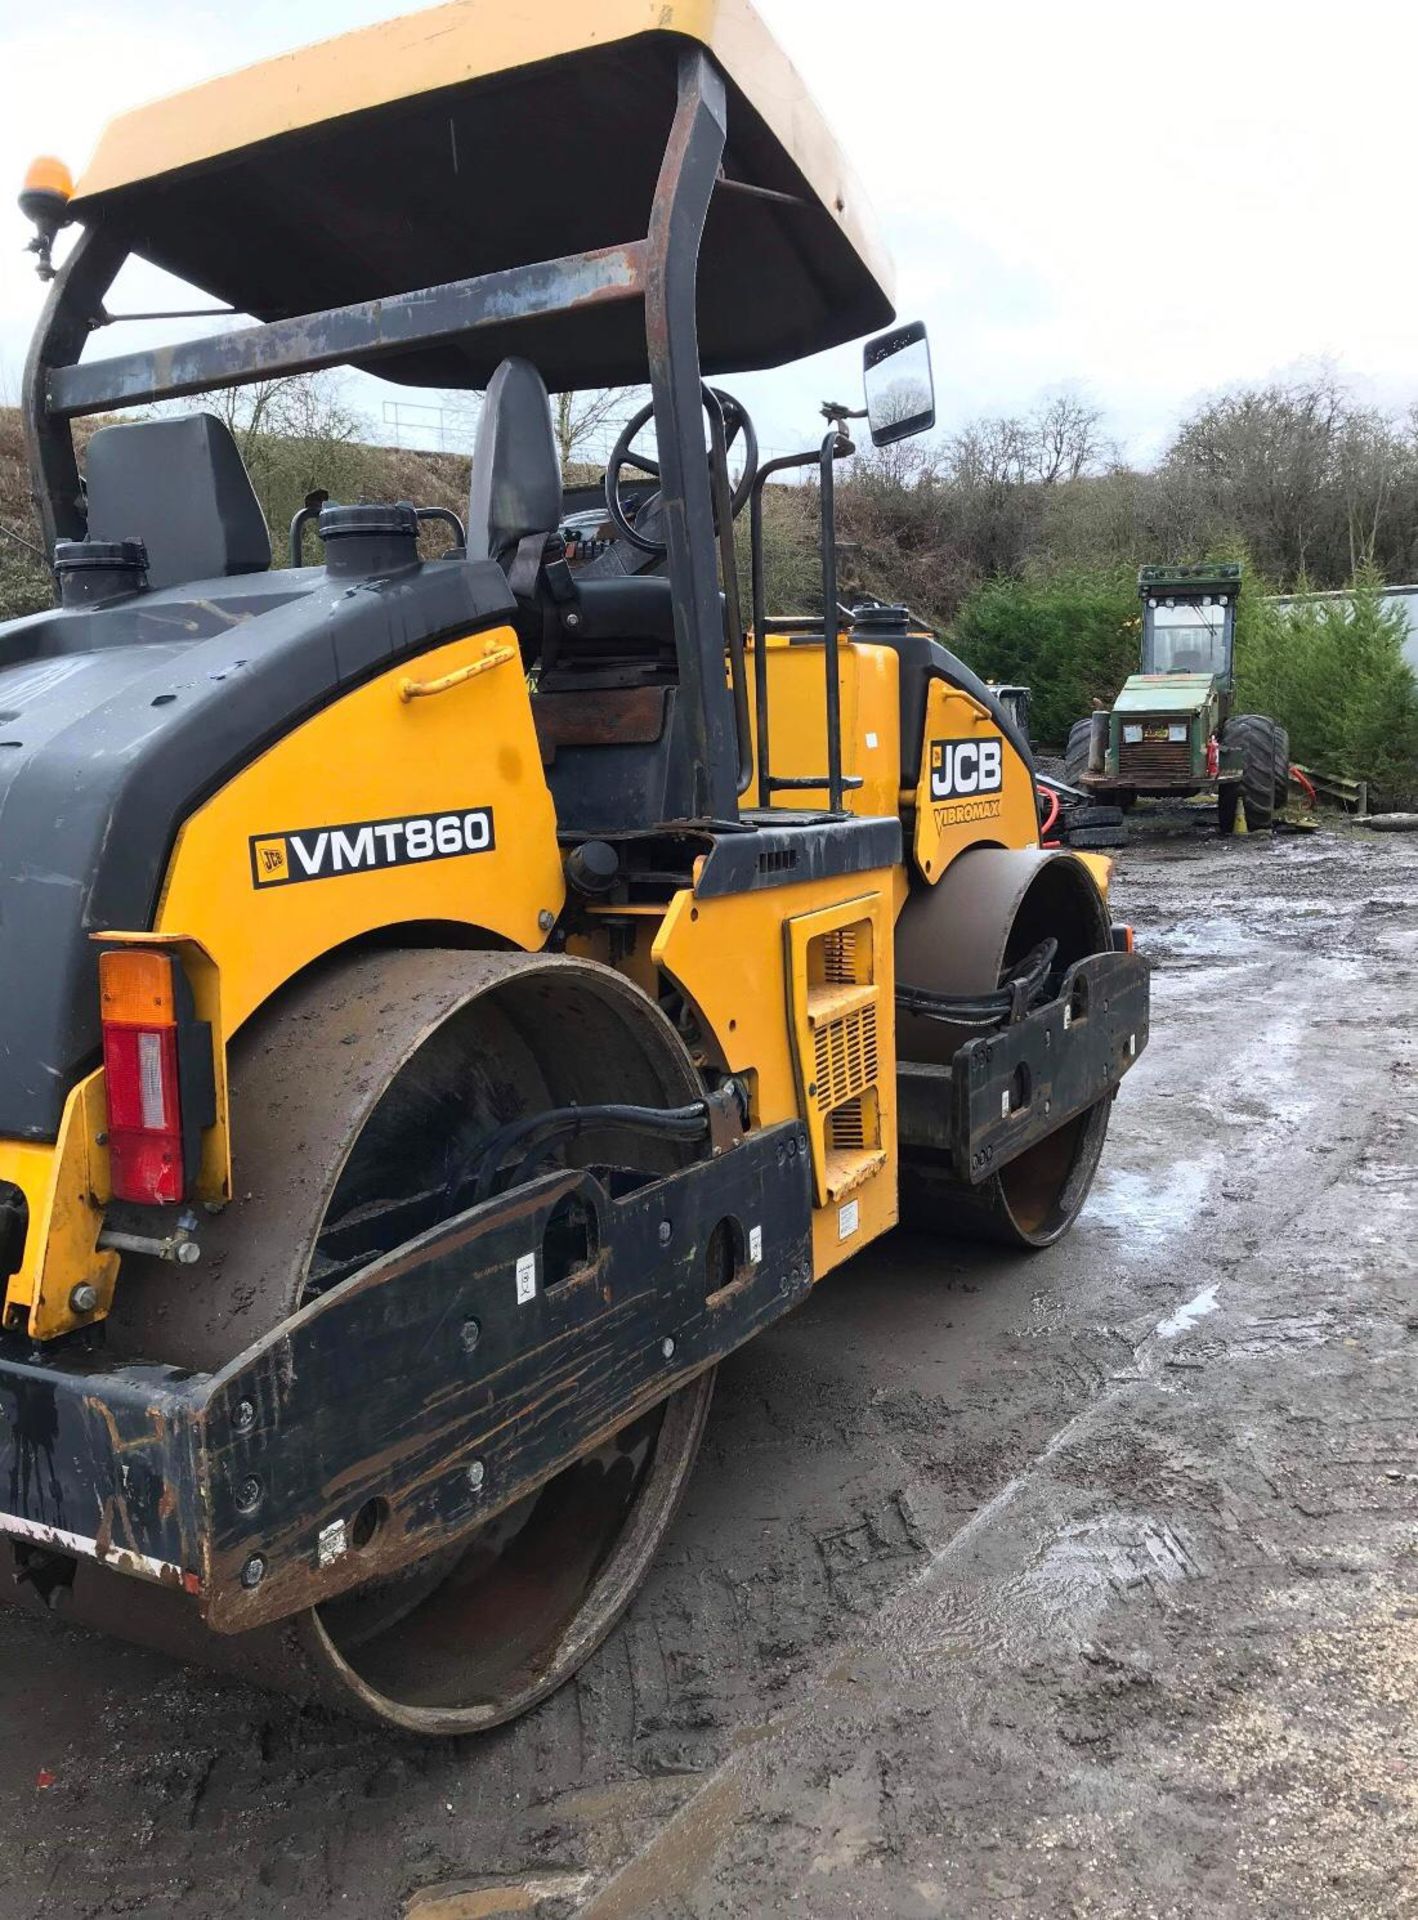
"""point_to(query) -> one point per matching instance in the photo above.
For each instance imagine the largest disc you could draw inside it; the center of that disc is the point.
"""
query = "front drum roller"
(355, 1105)
(962, 937)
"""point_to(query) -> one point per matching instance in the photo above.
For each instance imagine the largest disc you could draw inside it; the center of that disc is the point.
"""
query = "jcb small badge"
(367, 846)
(962, 768)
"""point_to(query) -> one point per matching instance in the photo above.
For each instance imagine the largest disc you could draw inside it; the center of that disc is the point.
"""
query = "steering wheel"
(736, 422)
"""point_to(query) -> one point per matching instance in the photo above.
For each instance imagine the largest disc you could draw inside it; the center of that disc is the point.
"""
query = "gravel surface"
(1079, 1585)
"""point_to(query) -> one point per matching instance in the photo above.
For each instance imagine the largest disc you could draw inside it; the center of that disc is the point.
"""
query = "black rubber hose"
(677, 1123)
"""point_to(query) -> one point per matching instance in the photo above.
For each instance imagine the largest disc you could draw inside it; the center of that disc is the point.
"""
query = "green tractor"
(1171, 733)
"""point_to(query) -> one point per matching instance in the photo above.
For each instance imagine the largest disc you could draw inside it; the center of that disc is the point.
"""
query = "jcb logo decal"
(368, 846)
(960, 768)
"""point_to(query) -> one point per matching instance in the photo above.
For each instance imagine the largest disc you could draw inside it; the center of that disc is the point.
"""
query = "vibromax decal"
(368, 846)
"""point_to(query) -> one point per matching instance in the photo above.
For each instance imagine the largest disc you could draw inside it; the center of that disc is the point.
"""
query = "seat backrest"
(516, 484)
(181, 488)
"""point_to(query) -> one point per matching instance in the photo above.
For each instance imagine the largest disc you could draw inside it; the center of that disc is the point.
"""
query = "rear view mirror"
(896, 371)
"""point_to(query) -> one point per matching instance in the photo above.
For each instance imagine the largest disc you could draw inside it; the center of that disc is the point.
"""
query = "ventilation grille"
(1156, 759)
(846, 1057)
(847, 1128)
(846, 956)
(843, 1042)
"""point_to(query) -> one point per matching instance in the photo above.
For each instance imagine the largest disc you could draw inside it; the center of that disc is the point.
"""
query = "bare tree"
(1066, 436)
(582, 420)
(299, 406)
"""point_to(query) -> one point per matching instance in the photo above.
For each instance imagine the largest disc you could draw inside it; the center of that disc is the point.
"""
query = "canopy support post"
(704, 717)
(73, 309)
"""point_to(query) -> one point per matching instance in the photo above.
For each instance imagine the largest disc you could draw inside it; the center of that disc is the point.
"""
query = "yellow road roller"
(454, 998)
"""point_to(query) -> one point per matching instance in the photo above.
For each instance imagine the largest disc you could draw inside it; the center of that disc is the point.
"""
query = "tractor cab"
(1189, 620)
(1171, 733)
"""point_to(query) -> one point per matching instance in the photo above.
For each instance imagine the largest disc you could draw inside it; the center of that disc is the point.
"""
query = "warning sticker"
(330, 1543)
(526, 1278)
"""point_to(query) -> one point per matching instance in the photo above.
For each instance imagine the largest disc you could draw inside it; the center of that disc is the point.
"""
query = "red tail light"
(149, 1151)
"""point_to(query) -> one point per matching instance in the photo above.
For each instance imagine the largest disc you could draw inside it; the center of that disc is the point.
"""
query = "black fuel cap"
(378, 538)
(91, 570)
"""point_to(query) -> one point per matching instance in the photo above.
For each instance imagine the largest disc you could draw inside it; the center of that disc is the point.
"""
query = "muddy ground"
(1081, 1585)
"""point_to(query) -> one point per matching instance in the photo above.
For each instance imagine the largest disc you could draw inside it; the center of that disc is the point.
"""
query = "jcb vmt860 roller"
(451, 1003)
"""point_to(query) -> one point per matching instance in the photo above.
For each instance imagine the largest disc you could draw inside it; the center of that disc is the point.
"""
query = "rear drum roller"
(355, 1108)
(963, 937)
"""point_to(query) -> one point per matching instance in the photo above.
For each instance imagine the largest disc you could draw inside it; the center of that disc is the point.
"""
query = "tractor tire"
(1264, 748)
(1090, 813)
(1282, 784)
(1076, 752)
(1091, 837)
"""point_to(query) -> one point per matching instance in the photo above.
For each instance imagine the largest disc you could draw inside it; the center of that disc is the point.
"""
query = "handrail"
(729, 573)
(410, 689)
(835, 446)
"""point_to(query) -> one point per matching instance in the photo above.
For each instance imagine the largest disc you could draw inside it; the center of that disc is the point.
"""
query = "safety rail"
(835, 446)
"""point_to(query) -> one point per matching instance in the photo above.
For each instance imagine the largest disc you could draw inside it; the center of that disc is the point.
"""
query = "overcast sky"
(1142, 201)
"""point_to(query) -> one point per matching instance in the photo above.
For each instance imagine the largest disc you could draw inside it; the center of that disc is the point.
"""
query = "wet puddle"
(1150, 1207)
(1187, 1316)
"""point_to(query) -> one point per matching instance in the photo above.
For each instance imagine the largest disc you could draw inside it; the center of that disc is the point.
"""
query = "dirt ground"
(1078, 1585)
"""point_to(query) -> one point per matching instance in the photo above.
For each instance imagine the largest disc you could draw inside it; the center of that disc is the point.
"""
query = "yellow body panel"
(983, 796)
(65, 1185)
(868, 681)
(468, 40)
(245, 920)
(733, 958)
(236, 884)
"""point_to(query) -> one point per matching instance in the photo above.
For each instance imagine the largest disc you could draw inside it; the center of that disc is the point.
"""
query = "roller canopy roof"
(476, 136)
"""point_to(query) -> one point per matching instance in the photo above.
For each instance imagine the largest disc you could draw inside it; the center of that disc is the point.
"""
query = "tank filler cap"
(593, 868)
(90, 570)
(371, 539)
(877, 616)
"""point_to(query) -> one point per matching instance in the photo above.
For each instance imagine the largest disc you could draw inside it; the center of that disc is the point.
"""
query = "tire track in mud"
(1205, 1526)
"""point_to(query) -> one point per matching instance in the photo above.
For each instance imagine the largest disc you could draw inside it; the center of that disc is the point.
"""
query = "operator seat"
(604, 649)
(181, 487)
(613, 632)
(514, 501)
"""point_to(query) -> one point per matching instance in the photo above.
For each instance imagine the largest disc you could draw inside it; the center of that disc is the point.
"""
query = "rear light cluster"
(157, 1060)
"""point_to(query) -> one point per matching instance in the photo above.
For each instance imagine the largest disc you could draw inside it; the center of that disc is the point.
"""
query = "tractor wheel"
(1282, 781)
(356, 1105)
(1076, 752)
(1265, 770)
(963, 936)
